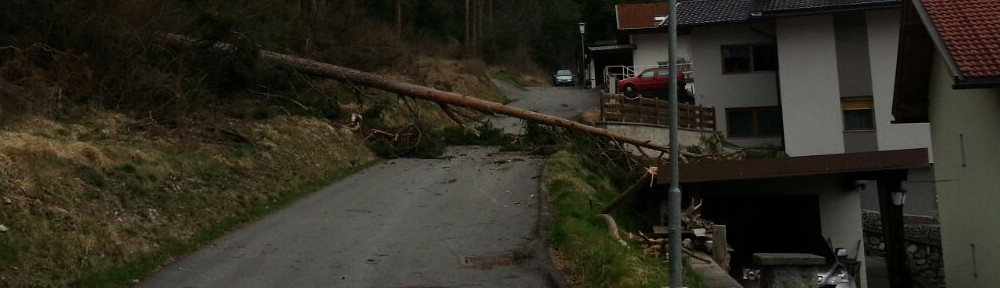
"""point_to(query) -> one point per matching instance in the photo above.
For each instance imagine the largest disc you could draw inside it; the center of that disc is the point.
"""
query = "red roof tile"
(639, 16)
(971, 30)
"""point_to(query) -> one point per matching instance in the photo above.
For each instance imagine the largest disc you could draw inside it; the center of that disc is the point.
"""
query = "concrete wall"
(966, 136)
(810, 93)
(853, 65)
(730, 90)
(840, 213)
(883, 38)
(652, 48)
(656, 135)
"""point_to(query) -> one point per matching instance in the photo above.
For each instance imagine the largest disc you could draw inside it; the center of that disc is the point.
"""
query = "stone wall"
(922, 241)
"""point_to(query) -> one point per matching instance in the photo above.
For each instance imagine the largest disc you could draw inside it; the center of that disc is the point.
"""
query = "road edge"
(554, 276)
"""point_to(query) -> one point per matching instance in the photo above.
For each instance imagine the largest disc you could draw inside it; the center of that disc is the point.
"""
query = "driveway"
(467, 220)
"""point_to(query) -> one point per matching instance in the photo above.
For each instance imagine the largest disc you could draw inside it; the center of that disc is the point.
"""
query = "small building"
(948, 74)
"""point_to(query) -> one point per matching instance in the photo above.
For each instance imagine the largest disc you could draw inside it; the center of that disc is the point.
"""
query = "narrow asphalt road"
(467, 220)
(565, 102)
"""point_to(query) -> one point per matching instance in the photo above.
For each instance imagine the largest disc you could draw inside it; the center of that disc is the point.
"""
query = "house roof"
(639, 16)
(849, 163)
(967, 37)
(704, 12)
(970, 31)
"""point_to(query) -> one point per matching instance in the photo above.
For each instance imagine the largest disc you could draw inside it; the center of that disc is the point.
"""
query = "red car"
(650, 81)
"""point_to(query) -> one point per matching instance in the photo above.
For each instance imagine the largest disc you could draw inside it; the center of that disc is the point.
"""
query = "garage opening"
(767, 223)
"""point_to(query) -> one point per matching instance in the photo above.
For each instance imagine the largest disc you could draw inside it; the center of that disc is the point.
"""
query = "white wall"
(652, 48)
(810, 92)
(883, 39)
(967, 122)
(840, 213)
(731, 90)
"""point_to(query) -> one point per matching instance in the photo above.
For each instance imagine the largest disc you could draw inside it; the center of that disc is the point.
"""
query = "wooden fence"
(617, 108)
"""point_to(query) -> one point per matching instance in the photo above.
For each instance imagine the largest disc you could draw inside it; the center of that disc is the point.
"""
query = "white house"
(949, 75)
(809, 78)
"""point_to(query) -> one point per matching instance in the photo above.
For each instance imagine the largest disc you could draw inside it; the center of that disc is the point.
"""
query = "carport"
(604, 54)
(793, 199)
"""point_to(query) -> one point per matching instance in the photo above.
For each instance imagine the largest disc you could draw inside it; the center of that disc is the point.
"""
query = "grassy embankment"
(589, 256)
(101, 199)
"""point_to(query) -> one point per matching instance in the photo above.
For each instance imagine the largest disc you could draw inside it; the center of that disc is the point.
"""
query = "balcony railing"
(619, 109)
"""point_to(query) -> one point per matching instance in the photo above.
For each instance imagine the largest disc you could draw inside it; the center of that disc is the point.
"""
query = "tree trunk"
(356, 77)
(399, 18)
(467, 25)
(479, 26)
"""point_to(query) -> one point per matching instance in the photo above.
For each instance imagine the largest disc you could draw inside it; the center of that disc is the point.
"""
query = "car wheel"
(630, 90)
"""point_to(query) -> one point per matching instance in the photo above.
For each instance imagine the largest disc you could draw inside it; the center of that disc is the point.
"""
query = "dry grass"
(84, 199)
(105, 198)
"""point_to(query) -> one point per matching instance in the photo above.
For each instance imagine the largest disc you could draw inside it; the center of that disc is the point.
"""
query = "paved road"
(565, 102)
(403, 223)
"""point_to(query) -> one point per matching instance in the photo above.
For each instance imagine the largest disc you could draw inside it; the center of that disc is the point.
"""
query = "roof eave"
(942, 48)
(828, 10)
(977, 83)
(714, 23)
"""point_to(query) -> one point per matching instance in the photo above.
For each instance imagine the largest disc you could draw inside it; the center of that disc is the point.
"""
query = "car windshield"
(564, 73)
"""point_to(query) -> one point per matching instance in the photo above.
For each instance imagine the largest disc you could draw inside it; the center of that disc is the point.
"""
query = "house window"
(736, 59)
(749, 58)
(859, 114)
(754, 122)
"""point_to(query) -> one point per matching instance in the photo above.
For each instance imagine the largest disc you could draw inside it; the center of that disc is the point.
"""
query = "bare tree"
(467, 25)
(399, 17)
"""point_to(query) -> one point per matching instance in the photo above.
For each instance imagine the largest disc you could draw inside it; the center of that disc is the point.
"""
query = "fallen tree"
(443, 98)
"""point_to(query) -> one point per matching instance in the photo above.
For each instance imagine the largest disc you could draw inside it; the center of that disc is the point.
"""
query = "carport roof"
(799, 166)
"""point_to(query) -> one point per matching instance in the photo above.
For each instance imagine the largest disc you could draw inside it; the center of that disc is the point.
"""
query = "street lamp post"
(583, 52)
(674, 194)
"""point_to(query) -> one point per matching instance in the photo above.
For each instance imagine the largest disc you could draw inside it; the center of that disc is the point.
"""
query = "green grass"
(122, 275)
(576, 195)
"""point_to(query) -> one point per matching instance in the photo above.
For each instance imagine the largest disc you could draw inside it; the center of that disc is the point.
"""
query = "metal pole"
(583, 59)
(674, 195)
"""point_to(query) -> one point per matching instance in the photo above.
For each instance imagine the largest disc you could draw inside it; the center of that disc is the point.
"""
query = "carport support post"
(674, 195)
(892, 229)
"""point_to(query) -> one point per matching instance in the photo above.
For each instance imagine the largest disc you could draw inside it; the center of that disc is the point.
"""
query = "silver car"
(563, 77)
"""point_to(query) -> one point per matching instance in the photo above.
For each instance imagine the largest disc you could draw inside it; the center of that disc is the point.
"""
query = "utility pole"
(583, 54)
(674, 194)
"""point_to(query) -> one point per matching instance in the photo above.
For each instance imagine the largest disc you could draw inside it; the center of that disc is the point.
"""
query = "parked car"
(563, 77)
(654, 83)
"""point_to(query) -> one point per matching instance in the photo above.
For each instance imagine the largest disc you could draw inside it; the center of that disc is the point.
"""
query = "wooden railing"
(617, 108)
